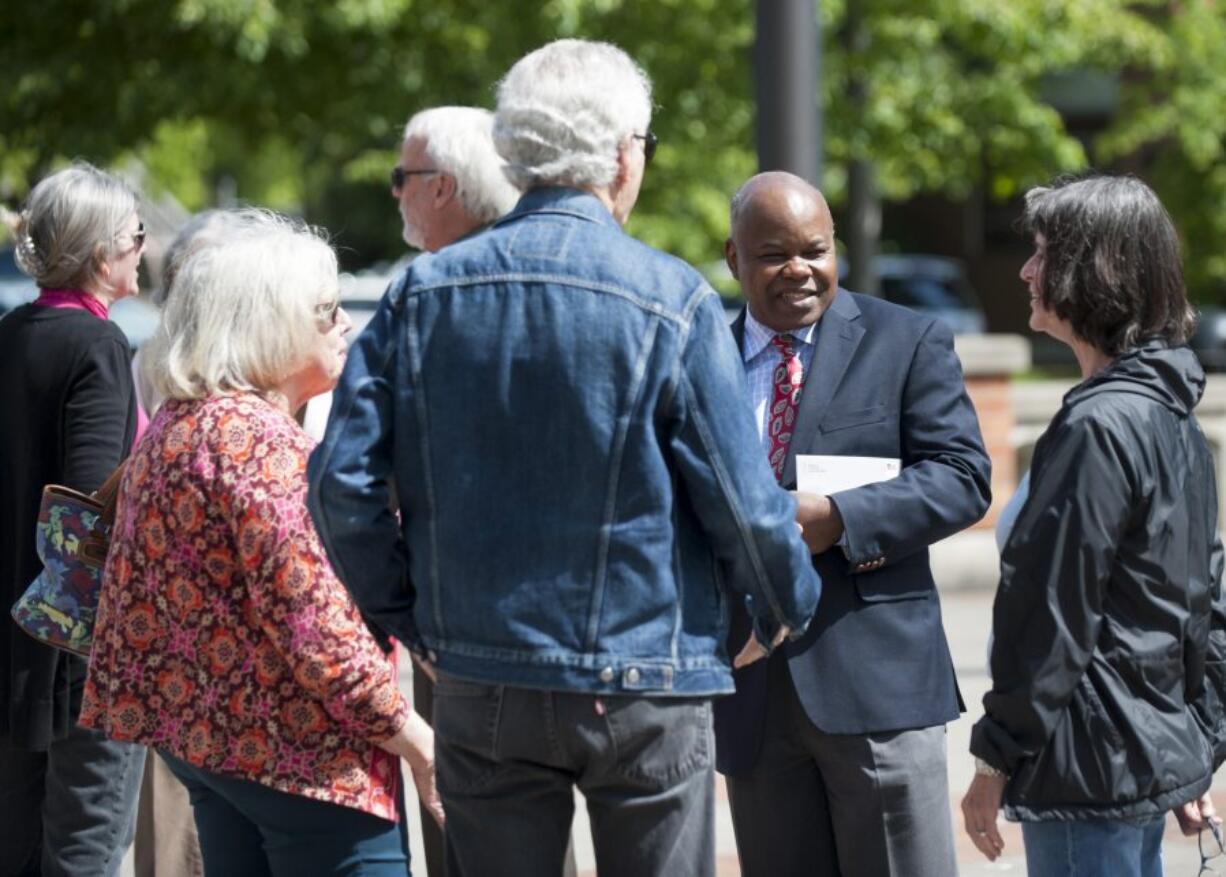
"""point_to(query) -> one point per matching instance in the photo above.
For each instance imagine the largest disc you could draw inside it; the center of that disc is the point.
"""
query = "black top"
(67, 416)
(1107, 662)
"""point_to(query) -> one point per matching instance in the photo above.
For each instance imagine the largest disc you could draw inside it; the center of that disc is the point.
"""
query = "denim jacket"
(559, 415)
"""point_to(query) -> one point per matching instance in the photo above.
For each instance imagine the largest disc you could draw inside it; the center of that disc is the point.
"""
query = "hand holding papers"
(824, 475)
(819, 476)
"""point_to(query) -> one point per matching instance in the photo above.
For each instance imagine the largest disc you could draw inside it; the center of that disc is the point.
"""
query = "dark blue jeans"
(1094, 848)
(70, 810)
(509, 761)
(249, 829)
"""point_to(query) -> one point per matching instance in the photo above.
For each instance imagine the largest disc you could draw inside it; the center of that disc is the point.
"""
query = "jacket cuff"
(984, 746)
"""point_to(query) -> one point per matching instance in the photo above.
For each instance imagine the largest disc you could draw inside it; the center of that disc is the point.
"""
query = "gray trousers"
(856, 805)
(509, 761)
(70, 810)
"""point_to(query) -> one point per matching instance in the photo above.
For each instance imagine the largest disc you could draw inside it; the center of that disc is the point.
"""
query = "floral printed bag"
(72, 538)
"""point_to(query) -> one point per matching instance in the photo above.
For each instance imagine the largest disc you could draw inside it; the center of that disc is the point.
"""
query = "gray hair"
(203, 229)
(459, 141)
(565, 109)
(240, 314)
(70, 223)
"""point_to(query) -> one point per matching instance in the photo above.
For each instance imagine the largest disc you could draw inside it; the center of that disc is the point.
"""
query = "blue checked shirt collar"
(758, 338)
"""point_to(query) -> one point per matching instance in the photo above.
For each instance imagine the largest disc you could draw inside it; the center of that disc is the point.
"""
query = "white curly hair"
(565, 109)
(457, 140)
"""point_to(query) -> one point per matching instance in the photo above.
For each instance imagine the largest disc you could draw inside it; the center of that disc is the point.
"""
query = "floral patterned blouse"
(223, 637)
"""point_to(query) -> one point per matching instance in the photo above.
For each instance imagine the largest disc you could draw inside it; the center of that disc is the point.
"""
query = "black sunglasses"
(650, 142)
(138, 236)
(399, 175)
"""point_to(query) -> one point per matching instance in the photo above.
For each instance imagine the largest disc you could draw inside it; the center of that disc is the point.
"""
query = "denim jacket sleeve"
(351, 480)
(749, 520)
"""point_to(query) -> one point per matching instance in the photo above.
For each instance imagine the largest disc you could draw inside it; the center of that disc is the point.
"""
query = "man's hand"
(821, 525)
(753, 650)
(979, 810)
(1195, 816)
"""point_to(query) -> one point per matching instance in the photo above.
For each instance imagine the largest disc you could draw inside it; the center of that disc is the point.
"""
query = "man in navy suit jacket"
(834, 748)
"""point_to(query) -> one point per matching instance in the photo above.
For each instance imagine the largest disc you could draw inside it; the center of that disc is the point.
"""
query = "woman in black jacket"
(1108, 643)
(67, 416)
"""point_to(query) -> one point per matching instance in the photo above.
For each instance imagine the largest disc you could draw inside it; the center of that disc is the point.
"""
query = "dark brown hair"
(1111, 264)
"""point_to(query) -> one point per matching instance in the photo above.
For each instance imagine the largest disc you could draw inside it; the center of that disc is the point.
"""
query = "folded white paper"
(824, 474)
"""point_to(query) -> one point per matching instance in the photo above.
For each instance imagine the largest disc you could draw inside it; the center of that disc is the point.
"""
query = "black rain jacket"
(1108, 673)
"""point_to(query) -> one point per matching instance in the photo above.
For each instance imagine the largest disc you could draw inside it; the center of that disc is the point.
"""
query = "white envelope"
(826, 474)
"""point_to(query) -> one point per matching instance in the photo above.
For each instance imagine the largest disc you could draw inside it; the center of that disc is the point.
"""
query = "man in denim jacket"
(560, 415)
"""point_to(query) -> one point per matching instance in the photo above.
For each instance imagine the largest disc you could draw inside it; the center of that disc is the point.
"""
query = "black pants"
(431, 834)
(509, 761)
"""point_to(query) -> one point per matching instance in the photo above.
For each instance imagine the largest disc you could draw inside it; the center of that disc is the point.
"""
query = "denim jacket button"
(633, 675)
(606, 675)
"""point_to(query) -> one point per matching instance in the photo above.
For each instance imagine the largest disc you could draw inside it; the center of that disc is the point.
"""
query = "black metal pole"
(787, 64)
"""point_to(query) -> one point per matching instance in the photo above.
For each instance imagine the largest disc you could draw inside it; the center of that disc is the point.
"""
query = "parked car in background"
(1208, 342)
(136, 317)
(934, 285)
(15, 287)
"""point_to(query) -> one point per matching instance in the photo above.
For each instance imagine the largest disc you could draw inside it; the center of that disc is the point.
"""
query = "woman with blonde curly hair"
(223, 638)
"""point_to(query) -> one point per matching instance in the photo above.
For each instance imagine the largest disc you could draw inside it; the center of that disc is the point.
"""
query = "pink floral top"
(223, 637)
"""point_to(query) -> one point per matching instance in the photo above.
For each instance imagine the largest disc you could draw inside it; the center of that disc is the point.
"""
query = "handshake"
(820, 526)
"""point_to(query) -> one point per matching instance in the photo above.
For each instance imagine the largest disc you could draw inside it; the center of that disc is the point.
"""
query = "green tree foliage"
(300, 103)
(954, 89)
(1172, 128)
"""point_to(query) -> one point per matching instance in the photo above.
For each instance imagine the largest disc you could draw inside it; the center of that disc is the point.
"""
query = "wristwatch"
(984, 769)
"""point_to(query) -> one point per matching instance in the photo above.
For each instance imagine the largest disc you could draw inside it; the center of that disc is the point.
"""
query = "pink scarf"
(82, 300)
(72, 298)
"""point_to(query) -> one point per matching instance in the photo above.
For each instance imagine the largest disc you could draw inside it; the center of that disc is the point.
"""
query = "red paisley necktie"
(788, 380)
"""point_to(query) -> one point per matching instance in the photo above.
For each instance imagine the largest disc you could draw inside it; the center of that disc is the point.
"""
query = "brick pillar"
(989, 363)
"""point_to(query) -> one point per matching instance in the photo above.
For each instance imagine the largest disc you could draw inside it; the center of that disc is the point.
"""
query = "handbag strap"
(108, 494)
(97, 542)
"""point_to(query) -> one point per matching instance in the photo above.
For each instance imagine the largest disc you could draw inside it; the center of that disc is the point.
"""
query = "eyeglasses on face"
(138, 236)
(399, 175)
(328, 313)
(650, 142)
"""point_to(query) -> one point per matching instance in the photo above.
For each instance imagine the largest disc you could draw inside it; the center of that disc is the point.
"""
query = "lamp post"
(787, 61)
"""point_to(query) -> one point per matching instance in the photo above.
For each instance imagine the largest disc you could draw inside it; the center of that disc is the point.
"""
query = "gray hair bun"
(26, 254)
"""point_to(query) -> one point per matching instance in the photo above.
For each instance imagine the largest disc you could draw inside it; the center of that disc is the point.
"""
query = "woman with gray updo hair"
(564, 112)
(68, 794)
(73, 223)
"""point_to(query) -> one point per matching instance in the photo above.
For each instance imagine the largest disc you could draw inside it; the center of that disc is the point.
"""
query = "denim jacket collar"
(565, 200)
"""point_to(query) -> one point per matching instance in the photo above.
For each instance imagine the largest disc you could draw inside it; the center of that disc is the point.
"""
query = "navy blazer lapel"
(738, 332)
(838, 336)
